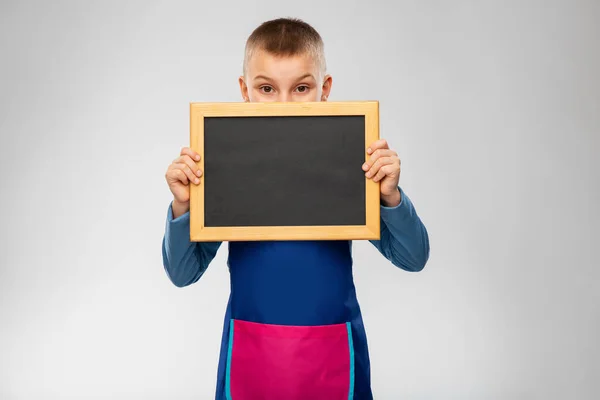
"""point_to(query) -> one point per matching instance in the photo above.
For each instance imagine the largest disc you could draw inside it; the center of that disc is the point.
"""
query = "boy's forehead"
(263, 63)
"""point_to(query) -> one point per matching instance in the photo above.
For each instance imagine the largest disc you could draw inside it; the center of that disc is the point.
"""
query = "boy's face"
(272, 78)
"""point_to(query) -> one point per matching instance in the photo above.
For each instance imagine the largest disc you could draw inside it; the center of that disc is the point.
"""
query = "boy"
(293, 328)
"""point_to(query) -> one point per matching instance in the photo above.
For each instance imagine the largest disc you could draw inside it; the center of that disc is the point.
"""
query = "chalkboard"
(283, 171)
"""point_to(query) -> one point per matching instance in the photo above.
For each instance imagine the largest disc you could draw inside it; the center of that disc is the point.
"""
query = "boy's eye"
(266, 89)
(302, 88)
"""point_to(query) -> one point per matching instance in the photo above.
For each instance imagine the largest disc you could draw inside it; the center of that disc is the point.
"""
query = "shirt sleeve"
(184, 261)
(404, 239)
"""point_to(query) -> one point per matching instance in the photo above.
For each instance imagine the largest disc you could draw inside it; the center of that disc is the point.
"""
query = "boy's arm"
(184, 261)
(404, 239)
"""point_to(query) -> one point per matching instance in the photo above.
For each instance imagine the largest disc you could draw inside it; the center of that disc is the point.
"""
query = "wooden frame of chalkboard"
(356, 207)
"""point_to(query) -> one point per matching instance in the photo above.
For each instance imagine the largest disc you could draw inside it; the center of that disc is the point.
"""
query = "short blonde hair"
(286, 37)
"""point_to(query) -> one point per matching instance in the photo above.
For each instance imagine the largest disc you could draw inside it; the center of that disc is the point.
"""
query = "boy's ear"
(244, 89)
(326, 87)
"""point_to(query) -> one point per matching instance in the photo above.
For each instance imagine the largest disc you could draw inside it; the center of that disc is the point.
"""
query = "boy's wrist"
(179, 208)
(392, 200)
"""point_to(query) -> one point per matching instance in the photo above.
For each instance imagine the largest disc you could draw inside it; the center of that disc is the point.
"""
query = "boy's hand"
(384, 167)
(180, 173)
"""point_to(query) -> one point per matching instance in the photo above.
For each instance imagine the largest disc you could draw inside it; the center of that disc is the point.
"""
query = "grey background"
(494, 108)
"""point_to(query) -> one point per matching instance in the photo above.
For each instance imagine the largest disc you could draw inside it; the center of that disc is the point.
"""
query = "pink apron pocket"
(289, 362)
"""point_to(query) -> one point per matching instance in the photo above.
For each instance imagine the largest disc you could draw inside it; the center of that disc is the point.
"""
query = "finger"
(186, 151)
(187, 171)
(384, 171)
(190, 163)
(376, 156)
(179, 175)
(374, 170)
(378, 144)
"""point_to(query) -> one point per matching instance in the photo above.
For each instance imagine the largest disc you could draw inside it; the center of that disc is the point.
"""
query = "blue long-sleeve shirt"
(296, 283)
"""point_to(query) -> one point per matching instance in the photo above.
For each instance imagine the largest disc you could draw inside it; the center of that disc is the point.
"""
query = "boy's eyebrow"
(266, 78)
(306, 76)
